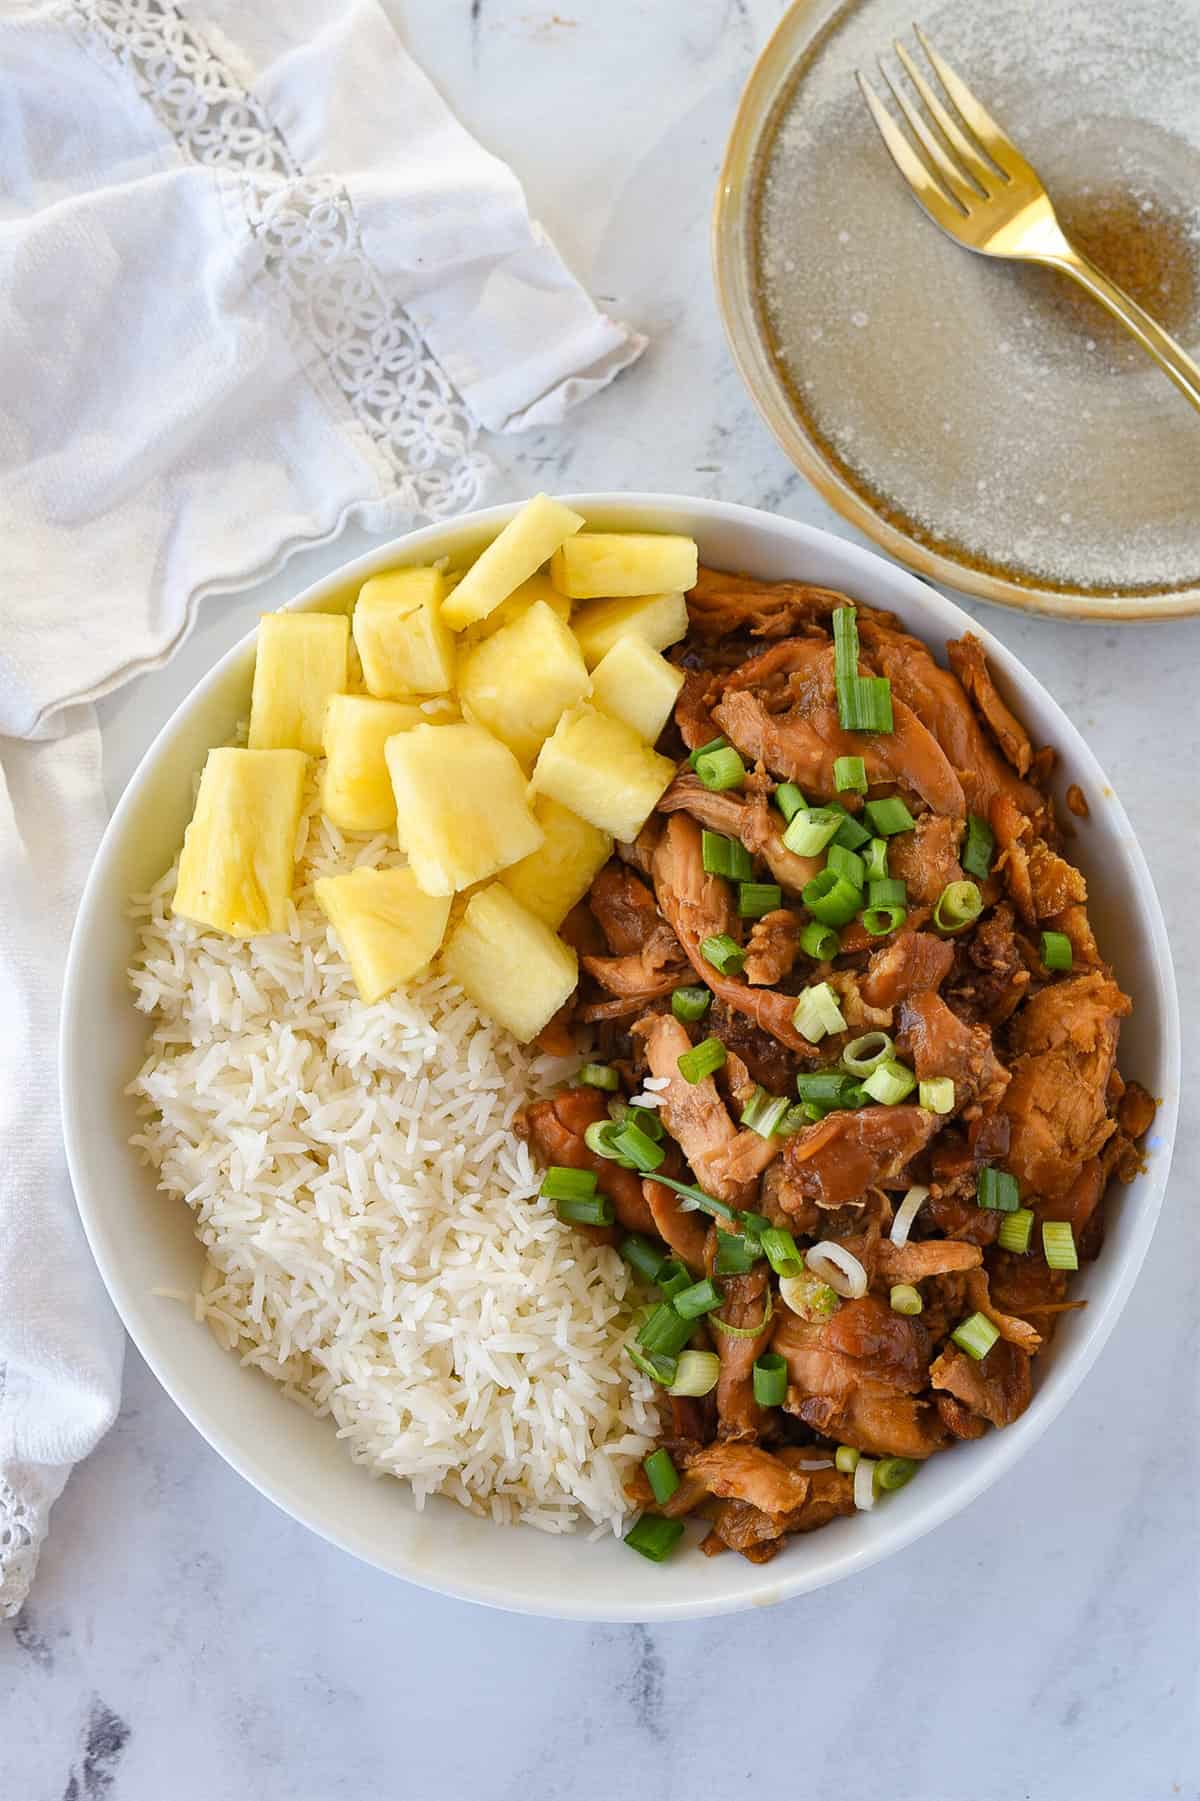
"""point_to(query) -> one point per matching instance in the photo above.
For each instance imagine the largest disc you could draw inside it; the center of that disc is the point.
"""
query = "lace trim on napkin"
(23, 1520)
(306, 225)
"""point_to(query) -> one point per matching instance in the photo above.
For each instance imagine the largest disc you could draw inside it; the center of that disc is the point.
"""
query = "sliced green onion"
(936, 1094)
(654, 1536)
(846, 863)
(789, 800)
(957, 905)
(851, 834)
(706, 750)
(735, 1254)
(997, 1189)
(638, 1146)
(699, 1373)
(561, 1184)
(763, 1112)
(754, 1225)
(811, 1113)
(865, 705)
(827, 1087)
(695, 1200)
(585, 1210)
(850, 775)
(702, 1060)
(700, 1298)
(979, 847)
(721, 769)
(658, 1368)
(1056, 950)
(690, 1004)
(830, 898)
(672, 1279)
(600, 1075)
(864, 1484)
(864, 1054)
(770, 1380)
(809, 1297)
(661, 1474)
(888, 893)
(782, 1252)
(890, 1082)
(1058, 1242)
(599, 1139)
(1016, 1229)
(845, 1459)
(878, 922)
(724, 953)
(845, 643)
(875, 858)
(817, 1012)
(644, 1117)
(976, 1336)
(810, 830)
(892, 1473)
(906, 1299)
(819, 942)
(793, 1121)
(756, 899)
(725, 856)
(665, 1332)
(718, 1324)
(644, 1257)
(887, 817)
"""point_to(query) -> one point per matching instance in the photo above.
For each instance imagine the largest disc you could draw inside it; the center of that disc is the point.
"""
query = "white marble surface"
(186, 1642)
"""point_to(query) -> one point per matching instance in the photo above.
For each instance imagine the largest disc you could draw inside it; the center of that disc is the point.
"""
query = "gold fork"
(995, 203)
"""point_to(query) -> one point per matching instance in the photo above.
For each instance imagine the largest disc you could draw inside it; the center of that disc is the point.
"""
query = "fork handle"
(1171, 358)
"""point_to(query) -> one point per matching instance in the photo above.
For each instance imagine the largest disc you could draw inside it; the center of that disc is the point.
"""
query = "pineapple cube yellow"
(300, 661)
(534, 534)
(235, 869)
(598, 565)
(660, 619)
(462, 811)
(636, 684)
(550, 881)
(400, 636)
(510, 963)
(599, 768)
(387, 927)
(538, 587)
(519, 681)
(356, 789)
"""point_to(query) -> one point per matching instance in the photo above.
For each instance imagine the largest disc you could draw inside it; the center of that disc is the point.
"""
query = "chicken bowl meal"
(631, 1042)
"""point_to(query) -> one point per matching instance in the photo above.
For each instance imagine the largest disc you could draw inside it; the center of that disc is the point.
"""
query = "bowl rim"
(758, 1588)
(799, 32)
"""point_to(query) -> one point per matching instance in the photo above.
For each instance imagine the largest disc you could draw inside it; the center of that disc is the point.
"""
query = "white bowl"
(143, 1241)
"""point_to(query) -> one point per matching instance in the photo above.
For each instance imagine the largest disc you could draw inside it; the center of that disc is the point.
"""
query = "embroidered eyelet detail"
(373, 353)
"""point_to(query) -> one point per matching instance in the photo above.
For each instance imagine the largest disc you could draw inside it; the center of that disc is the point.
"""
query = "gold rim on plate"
(804, 31)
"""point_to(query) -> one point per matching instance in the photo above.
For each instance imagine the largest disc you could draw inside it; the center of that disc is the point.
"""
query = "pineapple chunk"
(356, 789)
(660, 619)
(510, 559)
(387, 927)
(633, 683)
(518, 681)
(510, 963)
(235, 868)
(461, 807)
(608, 564)
(599, 767)
(538, 587)
(400, 635)
(300, 661)
(551, 881)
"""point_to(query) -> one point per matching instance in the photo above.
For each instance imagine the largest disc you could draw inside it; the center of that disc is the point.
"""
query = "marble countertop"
(187, 1642)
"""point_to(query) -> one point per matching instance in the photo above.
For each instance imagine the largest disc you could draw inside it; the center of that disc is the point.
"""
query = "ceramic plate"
(985, 422)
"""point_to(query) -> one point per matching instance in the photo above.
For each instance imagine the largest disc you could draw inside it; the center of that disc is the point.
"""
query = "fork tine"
(982, 171)
(931, 196)
(1001, 149)
(947, 172)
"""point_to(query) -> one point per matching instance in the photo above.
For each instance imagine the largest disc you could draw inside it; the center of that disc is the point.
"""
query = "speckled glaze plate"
(985, 423)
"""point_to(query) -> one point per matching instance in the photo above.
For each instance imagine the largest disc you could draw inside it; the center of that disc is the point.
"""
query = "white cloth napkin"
(255, 281)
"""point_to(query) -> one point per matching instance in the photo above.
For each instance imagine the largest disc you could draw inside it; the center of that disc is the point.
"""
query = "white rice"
(374, 1239)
